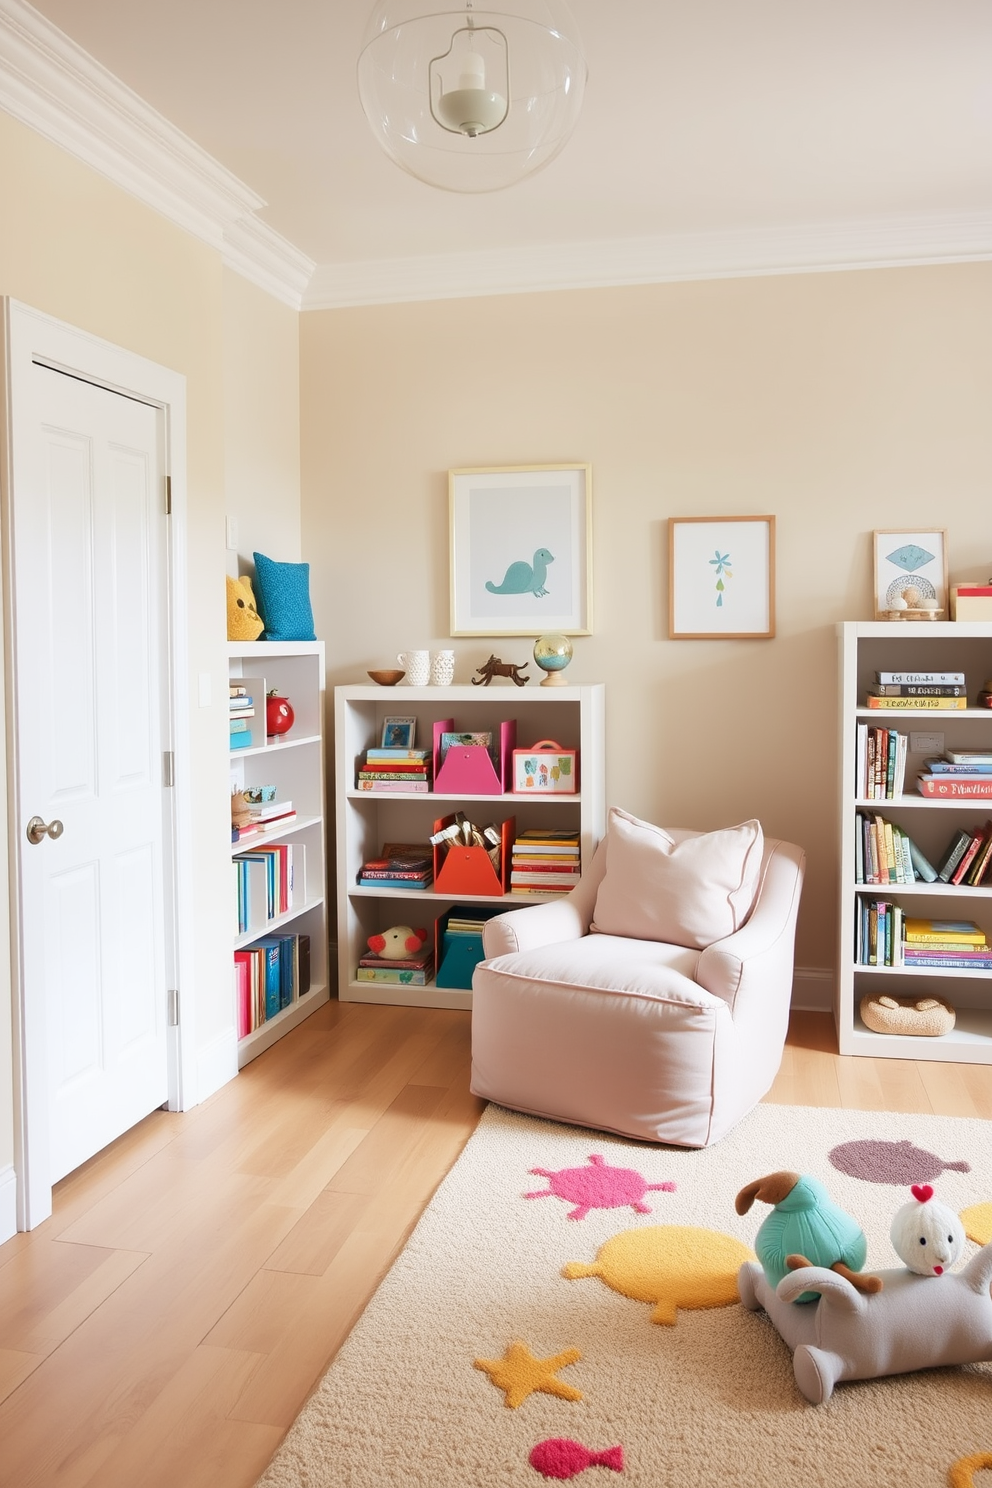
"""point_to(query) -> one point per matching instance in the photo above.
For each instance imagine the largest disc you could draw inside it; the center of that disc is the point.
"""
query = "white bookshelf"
(946, 646)
(294, 764)
(572, 715)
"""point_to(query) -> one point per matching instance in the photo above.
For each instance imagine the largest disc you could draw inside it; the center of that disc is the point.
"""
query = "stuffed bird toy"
(927, 1235)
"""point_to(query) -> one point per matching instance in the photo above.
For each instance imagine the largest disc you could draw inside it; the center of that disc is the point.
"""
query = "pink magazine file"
(468, 769)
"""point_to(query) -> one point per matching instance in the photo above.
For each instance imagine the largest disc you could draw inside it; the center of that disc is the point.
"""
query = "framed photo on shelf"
(721, 578)
(398, 733)
(521, 546)
(910, 572)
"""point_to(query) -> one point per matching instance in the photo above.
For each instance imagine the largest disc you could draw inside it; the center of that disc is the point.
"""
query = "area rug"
(547, 1321)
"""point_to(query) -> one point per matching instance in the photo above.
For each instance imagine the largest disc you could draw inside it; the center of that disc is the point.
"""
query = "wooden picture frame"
(721, 578)
(521, 550)
(910, 559)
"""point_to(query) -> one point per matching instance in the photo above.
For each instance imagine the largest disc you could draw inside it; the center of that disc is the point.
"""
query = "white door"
(89, 548)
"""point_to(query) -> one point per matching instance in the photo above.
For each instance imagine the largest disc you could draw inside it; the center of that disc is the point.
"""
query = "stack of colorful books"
(270, 974)
(400, 865)
(879, 933)
(968, 859)
(390, 769)
(919, 692)
(242, 707)
(885, 854)
(880, 763)
(414, 970)
(545, 862)
(944, 945)
(958, 774)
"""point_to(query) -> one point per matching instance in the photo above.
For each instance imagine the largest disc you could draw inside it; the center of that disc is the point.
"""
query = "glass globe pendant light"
(473, 96)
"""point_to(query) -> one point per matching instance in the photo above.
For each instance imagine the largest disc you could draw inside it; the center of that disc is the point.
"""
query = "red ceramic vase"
(279, 715)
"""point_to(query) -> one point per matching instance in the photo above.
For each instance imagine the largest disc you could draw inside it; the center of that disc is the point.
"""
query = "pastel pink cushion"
(686, 890)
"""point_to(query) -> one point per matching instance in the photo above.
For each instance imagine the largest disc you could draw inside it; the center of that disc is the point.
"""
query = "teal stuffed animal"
(805, 1228)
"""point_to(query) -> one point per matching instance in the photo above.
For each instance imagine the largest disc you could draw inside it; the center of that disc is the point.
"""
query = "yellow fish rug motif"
(961, 1474)
(671, 1265)
(977, 1223)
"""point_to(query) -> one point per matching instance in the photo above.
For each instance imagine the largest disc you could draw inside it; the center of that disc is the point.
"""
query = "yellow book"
(919, 704)
(951, 932)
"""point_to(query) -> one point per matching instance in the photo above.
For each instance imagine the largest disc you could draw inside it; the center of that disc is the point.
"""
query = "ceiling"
(707, 121)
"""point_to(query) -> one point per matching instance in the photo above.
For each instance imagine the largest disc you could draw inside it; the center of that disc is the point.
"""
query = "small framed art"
(910, 573)
(398, 733)
(721, 578)
(521, 540)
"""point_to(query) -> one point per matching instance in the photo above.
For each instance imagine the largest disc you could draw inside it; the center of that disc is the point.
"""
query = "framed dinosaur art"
(521, 545)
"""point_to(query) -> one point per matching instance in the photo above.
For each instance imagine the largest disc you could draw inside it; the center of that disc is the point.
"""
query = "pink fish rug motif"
(560, 1457)
(597, 1187)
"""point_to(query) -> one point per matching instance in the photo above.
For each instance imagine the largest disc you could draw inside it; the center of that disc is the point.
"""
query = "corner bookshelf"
(294, 763)
(571, 715)
(946, 646)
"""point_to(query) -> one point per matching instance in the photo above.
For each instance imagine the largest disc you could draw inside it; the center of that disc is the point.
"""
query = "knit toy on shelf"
(805, 1228)
(396, 943)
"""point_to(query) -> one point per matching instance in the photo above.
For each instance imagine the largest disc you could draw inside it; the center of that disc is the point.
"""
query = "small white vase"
(442, 668)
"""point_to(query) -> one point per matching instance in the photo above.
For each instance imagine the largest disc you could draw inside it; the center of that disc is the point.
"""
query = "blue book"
(240, 741)
(271, 945)
(287, 968)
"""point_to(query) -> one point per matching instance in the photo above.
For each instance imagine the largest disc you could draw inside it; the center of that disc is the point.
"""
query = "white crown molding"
(259, 253)
(53, 86)
(814, 248)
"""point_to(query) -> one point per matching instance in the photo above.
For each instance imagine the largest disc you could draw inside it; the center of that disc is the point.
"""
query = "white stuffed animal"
(924, 1317)
(397, 943)
(927, 1235)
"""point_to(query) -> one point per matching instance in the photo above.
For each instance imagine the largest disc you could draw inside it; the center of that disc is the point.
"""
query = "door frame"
(30, 336)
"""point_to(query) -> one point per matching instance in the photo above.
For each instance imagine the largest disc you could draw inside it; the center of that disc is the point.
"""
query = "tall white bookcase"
(571, 715)
(294, 764)
(919, 646)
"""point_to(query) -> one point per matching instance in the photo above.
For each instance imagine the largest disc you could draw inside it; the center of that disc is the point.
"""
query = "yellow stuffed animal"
(243, 620)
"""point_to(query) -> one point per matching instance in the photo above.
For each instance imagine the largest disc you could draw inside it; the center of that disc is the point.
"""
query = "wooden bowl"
(388, 678)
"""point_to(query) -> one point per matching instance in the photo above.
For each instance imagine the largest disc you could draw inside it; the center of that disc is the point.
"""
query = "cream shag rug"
(710, 1402)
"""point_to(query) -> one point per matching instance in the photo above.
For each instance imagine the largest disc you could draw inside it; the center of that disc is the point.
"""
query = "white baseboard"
(216, 1063)
(813, 989)
(8, 1203)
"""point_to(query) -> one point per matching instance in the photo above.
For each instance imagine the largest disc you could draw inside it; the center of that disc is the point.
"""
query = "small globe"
(552, 654)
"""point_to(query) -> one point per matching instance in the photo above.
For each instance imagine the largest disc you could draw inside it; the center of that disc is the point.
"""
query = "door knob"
(37, 829)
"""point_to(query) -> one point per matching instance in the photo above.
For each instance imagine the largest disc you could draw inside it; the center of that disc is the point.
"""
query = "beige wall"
(261, 424)
(76, 247)
(838, 402)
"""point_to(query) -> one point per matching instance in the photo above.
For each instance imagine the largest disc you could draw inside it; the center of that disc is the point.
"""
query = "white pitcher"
(417, 665)
(442, 668)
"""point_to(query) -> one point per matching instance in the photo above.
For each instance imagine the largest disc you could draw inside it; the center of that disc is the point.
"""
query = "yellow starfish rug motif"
(519, 1373)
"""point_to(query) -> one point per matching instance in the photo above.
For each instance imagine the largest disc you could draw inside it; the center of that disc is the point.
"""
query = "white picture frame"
(398, 731)
(910, 559)
(721, 578)
(521, 550)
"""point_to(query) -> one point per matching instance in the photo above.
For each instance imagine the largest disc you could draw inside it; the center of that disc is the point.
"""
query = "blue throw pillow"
(282, 592)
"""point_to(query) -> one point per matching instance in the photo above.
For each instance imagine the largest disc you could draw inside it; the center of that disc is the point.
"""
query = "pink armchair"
(641, 1037)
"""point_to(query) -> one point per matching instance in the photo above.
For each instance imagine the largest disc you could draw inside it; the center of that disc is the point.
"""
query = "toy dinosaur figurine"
(805, 1228)
(525, 578)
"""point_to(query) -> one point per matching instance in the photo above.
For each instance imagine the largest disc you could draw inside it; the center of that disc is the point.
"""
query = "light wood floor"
(164, 1327)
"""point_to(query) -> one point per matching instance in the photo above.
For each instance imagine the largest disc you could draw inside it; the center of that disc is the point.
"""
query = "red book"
(242, 983)
(957, 787)
(968, 857)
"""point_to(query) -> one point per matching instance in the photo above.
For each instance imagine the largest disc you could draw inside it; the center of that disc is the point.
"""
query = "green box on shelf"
(457, 955)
